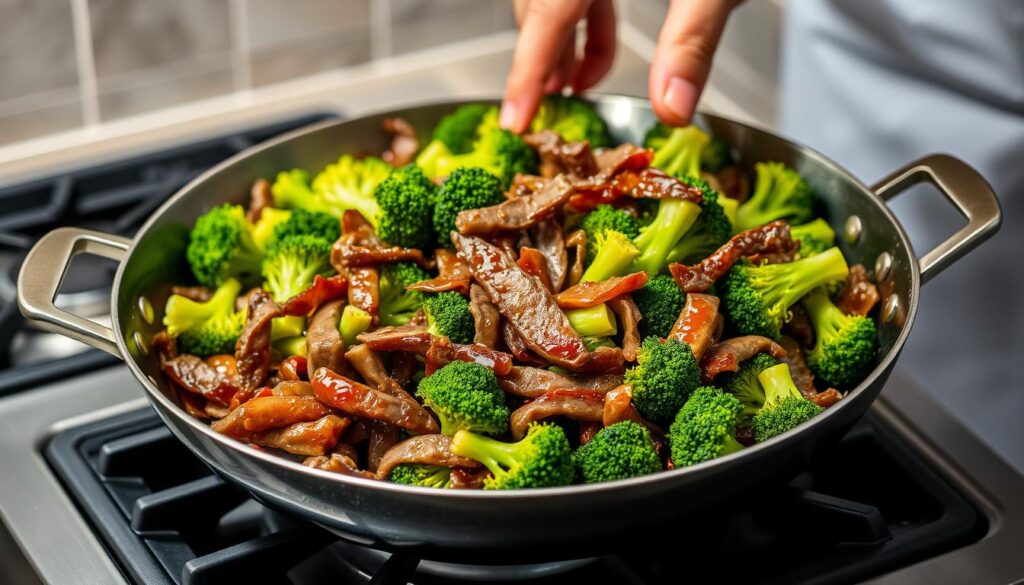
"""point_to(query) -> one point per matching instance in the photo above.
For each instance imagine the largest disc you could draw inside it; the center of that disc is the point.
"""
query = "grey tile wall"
(421, 24)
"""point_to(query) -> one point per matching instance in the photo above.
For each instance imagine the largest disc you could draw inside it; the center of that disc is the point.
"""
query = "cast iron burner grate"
(116, 197)
(869, 507)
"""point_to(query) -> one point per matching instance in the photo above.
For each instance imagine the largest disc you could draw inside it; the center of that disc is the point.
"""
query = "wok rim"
(164, 406)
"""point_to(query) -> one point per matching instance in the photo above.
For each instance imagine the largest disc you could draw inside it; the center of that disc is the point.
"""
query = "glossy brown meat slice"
(604, 360)
(618, 407)
(827, 398)
(354, 256)
(726, 355)
(518, 213)
(516, 346)
(269, 412)
(591, 294)
(577, 241)
(293, 369)
(252, 353)
(533, 263)
(799, 326)
(382, 438)
(293, 388)
(696, 323)
(367, 363)
(802, 375)
(306, 438)
(623, 157)
(486, 317)
(430, 449)
(360, 400)
(734, 183)
(324, 346)
(769, 238)
(260, 197)
(404, 142)
(524, 302)
(588, 430)
(859, 294)
(442, 352)
(198, 377)
(337, 463)
(410, 337)
(558, 156)
(463, 478)
(363, 283)
(321, 291)
(550, 241)
(193, 404)
(453, 274)
(642, 184)
(629, 317)
(575, 404)
(403, 366)
(533, 382)
(199, 294)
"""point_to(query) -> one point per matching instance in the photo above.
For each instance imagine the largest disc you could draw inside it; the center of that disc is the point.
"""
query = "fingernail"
(680, 97)
(509, 116)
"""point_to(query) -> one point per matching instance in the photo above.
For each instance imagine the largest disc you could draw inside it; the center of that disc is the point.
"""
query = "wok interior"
(158, 258)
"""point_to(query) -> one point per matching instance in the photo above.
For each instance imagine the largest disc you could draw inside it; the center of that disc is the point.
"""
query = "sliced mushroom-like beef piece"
(799, 326)
(412, 338)
(270, 412)
(260, 197)
(697, 323)
(306, 438)
(293, 388)
(198, 377)
(549, 240)
(575, 404)
(734, 183)
(453, 274)
(442, 352)
(558, 156)
(382, 438)
(604, 360)
(354, 256)
(337, 463)
(429, 449)
(404, 142)
(577, 241)
(252, 353)
(293, 368)
(324, 346)
(199, 294)
(533, 382)
(533, 263)
(363, 282)
(518, 213)
(827, 398)
(516, 346)
(464, 478)
(524, 302)
(766, 239)
(369, 365)
(486, 317)
(590, 294)
(643, 184)
(802, 375)
(360, 400)
(321, 291)
(629, 317)
(726, 355)
(859, 294)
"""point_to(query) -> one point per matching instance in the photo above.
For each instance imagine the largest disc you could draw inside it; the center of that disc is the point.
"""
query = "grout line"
(241, 49)
(85, 58)
(380, 29)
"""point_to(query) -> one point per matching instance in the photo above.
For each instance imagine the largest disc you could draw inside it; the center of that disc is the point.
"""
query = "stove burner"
(166, 519)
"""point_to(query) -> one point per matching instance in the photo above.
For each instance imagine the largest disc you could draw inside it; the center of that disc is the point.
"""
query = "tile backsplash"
(68, 62)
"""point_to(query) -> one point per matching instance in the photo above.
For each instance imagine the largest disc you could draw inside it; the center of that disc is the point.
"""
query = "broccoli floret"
(293, 262)
(498, 151)
(465, 188)
(263, 230)
(465, 396)
(845, 345)
(307, 223)
(460, 129)
(448, 315)
(605, 217)
(619, 451)
(704, 427)
(614, 255)
(784, 406)
(398, 305)
(353, 322)
(543, 458)
(291, 190)
(573, 119)
(664, 376)
(209, 328)
(674, 218)
(406, 200)
(221, 247)
(756, 299)
(745, 385)
(596, 321)
(779, 193)
(660, 301)
(678, 152)
(815, 237)
(347, 184)
(432, 476)
(709, 232)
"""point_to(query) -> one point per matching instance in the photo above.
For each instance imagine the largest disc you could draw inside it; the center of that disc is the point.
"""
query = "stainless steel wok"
(511, 526)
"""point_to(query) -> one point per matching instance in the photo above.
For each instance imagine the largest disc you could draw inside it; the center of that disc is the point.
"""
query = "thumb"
(683, 56)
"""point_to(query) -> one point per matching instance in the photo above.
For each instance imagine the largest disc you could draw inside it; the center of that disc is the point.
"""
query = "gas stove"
(96, 490)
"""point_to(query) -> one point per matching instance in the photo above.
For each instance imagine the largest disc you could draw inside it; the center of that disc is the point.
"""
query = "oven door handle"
(43, 271)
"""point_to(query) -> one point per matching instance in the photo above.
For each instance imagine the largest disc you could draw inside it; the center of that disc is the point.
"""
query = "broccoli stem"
(287, 326)
(182, 313)
(263, 230)
(800, 277)
(613, 258)
(495, 455)
(674, 218)
(731, 207)
(730, 445)
(826, 316)
(353, 322)
(819, 229)
(680, 154)
(596, 321)
(289, 346)
(778, 384)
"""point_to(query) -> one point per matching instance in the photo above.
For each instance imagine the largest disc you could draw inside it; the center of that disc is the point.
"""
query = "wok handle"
(966, 189)
(43, 271)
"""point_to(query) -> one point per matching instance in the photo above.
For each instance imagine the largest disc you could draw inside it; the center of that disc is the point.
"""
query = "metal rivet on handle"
(146, 309)
(140, 342)
(854, 227)
(883, 266)
(891, 308)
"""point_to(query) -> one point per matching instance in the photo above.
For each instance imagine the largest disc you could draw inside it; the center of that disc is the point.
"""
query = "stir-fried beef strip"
(799, 326)
(198, 377)
(293, 368)
(604, 360)
(624, 157)
(270, 412)
(260, 197)
(527, 305)
(518, 213)
(463, 478)
(322, 290)
(442, 352)
(575, 404)
(363, 282)
(453, 274)
(410, 337)
(324, 345)
(404, 142)
(629, 318)
(367, 363)
(337, 463)
(486, 318)
(532, 382)
(289, 388)
(422, 450)
(587, 431)
(360, 400)
(353, 256)
(591, 294)
(306, 438)
(193, 404)
(827, 398)
(516, 346)
(532, 261)
(733, 183)
(618, 407)
(697, 323)
(403, 367)
(726, 355)
(639, 184)
(549, 240)
(382, 438)
(802, 375)
(199, 294)
(252, 354)
(524, 185)
(859, 294)
(558, 156)
(577, 241)
(769, 238)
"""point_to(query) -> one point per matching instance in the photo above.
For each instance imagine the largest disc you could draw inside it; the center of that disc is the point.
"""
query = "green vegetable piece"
(619, 451)
(543, 458)
(465, 397)
(353, 322)
(705, 427)
(466, 188)
(845, 345)
(596, 321)
(406, 200)
(397, 305)
(784, 407)
(664, 376)
(448, 314)
(779, 193)
(221, 246)
(660, 302)
(209, 328)
(573, 119)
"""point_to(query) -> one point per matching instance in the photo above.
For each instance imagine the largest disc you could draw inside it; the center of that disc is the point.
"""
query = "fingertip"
(679, 100)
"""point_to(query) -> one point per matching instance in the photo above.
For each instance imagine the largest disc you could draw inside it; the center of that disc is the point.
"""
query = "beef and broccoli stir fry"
(496, 311)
